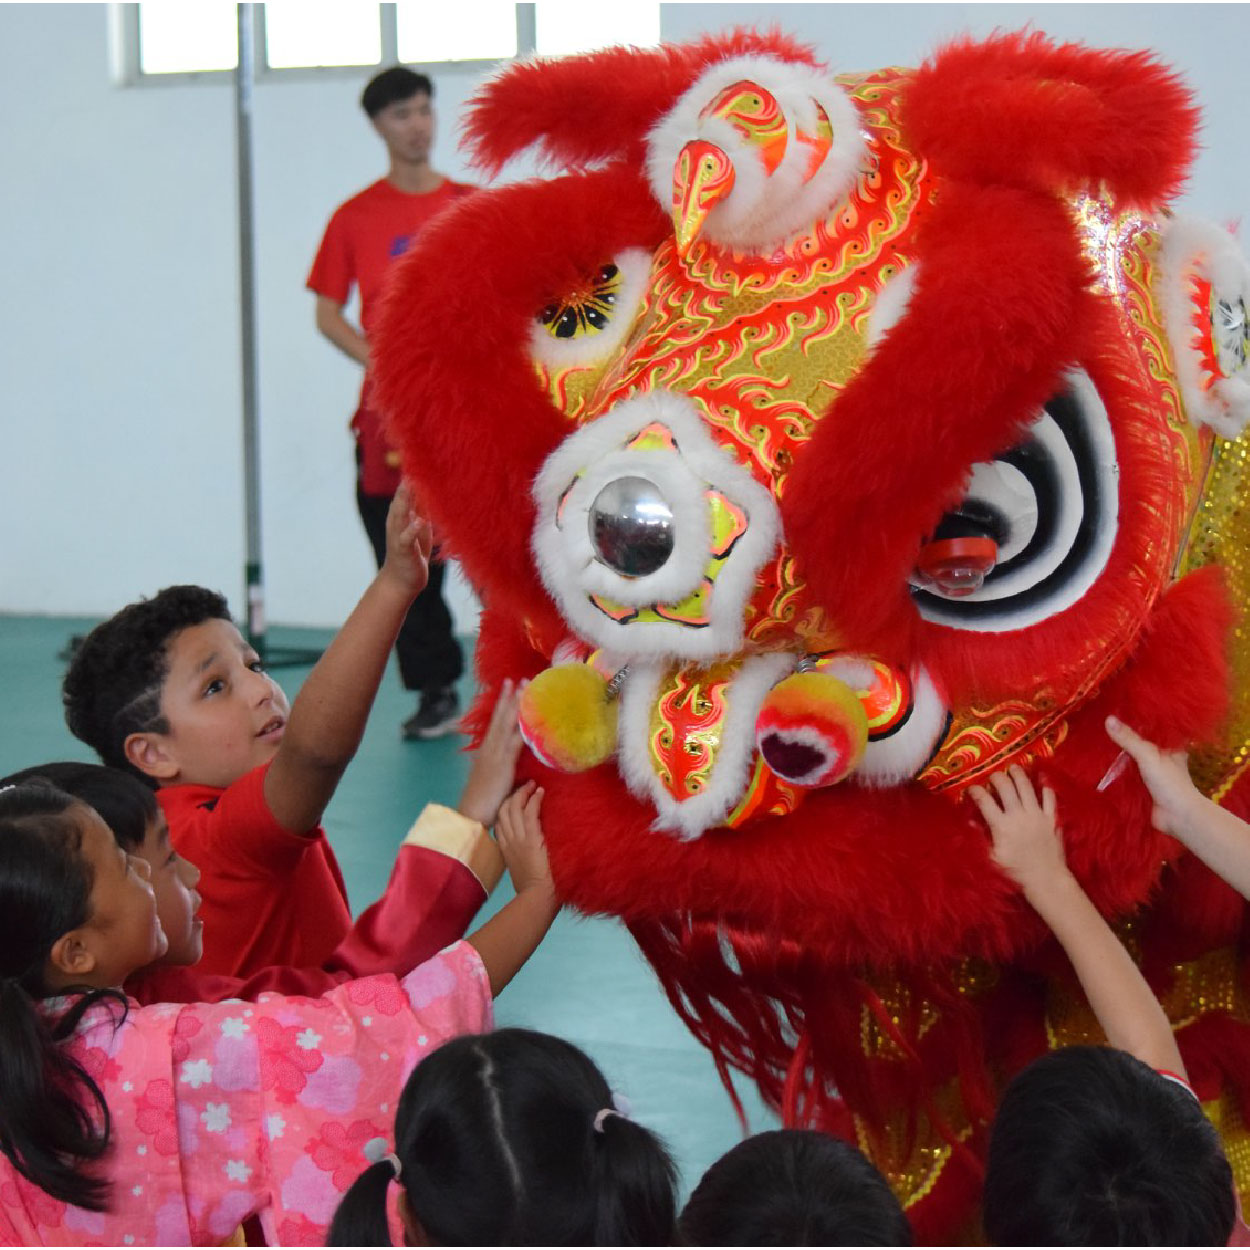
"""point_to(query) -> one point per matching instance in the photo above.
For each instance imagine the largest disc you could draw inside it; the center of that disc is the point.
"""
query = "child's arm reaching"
(494, 762)
(1029, 849)
(490, 781)
(329, 714)
(1220, 839)
(447, 866)
(511, 936)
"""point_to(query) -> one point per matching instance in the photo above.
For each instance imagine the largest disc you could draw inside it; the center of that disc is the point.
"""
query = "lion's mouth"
(712, 745)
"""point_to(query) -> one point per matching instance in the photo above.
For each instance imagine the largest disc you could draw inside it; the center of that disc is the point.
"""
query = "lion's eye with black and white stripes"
(1036, 526)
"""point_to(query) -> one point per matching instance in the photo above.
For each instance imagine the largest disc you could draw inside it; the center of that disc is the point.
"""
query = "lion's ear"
(580, 110)
(1019, 110)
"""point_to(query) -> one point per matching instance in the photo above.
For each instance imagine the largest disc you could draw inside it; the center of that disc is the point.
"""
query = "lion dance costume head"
(820, 445)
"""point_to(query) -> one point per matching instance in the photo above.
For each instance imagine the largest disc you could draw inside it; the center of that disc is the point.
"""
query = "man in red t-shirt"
(363, 237)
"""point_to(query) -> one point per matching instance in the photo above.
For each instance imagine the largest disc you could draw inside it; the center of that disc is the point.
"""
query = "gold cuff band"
(444, 830)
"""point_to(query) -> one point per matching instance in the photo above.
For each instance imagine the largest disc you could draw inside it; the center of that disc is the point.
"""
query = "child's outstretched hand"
(509, 937)
(1027, 844)
(519, 832)
(1164, 773)
(494, 762)
(409, 540)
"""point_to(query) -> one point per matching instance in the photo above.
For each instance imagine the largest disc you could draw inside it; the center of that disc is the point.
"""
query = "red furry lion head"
(818, 446)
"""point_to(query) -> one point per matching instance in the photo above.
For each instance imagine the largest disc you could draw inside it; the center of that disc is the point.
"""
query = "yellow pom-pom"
(568, 719)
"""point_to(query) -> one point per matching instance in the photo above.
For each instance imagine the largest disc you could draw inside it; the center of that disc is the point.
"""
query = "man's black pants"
(428, 653)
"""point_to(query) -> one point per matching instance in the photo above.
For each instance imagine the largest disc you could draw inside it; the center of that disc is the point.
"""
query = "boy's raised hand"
(409, 540)
(1164, 773)
(519, 832)
(328, 717)
(1027, 843)
(494, 762)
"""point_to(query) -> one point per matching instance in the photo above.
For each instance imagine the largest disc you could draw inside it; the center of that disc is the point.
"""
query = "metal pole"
(243, 80)
(254, 624)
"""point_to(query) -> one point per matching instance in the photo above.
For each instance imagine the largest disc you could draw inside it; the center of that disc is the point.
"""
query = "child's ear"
(71, 956)
(150, 754)
(414, 1234)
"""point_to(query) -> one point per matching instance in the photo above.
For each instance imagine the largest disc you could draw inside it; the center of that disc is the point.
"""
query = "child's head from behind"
(76, 913)
(130, 810)
(169, 689)
(505, 1139)
(1092, 1147)
(793, 1187)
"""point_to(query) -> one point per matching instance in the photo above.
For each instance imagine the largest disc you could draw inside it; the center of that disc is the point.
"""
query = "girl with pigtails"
(170, 1124)
(511, 1139)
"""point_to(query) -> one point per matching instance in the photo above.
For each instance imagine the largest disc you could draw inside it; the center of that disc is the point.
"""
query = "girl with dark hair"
(170, 1124)
(513, 1139)
(65, 886)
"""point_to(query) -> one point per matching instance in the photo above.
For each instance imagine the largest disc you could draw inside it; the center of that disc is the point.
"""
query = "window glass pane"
(313, 32)
(565, 27)
(466, 30)
(186, 36)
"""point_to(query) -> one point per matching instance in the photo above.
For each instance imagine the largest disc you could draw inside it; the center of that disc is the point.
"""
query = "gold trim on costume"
(445, 830)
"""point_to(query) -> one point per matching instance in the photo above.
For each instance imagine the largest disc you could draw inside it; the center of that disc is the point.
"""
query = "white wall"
(119, 375)
(120, 406)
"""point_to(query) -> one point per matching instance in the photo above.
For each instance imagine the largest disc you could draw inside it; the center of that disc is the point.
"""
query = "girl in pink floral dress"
(170, 1124)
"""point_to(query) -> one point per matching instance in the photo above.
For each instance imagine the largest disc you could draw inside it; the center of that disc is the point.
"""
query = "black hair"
(55, 1123)
(113, 686)
(497, 1143)
(793, 1187)
(1092, 1147)
(124, 803)
(391, 86)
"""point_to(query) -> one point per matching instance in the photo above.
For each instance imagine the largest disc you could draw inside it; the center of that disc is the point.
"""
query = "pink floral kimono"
(225, 1110)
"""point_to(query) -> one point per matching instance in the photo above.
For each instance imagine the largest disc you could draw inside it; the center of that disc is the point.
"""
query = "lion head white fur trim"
(1192, 248)
(764, 211)
(735, 758)
(896, 759)
(596, 455)
(892, 304)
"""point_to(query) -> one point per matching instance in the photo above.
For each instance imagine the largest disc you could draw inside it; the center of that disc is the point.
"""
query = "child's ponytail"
(635, 1182)
(511, 1139)
(361, 1216)
(54, 1119)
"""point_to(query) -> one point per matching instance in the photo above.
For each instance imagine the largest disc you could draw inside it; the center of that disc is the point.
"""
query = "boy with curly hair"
(169, 689)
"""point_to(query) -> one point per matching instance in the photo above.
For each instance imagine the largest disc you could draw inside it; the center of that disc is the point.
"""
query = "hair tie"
(375, 1150)
(620, 1106)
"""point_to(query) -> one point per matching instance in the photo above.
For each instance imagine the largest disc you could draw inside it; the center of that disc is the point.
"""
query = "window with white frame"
(189, 40)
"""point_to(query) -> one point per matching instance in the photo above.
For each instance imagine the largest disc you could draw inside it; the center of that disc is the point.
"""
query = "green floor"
(587, 981)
